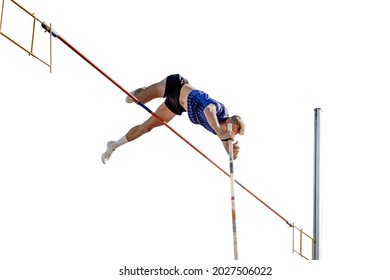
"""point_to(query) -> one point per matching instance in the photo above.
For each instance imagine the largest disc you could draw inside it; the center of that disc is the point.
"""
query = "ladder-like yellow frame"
(301, 235)
(28, 50)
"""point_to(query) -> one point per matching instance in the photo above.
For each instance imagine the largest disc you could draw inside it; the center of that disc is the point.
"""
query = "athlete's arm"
(211, 116)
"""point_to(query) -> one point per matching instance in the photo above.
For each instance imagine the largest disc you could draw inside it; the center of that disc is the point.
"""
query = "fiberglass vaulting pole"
(56, 35)
(234, 223)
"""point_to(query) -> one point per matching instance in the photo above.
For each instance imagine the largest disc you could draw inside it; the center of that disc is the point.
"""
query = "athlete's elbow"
(210, 110)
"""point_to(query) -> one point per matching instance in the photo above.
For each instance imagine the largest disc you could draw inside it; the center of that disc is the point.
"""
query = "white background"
(65, 215)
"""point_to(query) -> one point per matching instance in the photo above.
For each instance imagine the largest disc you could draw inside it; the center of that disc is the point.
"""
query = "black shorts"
(173, 85)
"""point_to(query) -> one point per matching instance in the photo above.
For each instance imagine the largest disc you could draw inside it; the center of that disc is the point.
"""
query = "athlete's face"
(235, 127)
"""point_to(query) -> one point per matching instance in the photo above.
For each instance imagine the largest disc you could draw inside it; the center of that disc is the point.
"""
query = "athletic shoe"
(110, 149)
(129, 99)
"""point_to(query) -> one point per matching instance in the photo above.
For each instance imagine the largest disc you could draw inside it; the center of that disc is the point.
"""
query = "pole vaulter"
(56, 35)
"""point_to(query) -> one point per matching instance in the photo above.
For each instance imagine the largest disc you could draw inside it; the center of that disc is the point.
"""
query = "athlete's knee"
(153, 91)
(160, 87)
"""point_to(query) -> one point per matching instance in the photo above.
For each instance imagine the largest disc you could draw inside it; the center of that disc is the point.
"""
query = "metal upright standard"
(231, 159)
(316, 239)
(317, 200)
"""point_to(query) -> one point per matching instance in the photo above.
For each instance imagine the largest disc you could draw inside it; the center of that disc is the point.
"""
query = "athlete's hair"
(241, 125)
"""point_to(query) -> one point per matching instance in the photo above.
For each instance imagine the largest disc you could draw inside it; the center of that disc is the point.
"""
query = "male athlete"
(181, 97)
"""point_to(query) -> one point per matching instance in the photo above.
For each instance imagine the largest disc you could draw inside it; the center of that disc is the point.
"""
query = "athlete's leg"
(144, 95)
(163, 112)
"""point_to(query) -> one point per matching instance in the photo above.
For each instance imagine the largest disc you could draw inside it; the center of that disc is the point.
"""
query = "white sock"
(120, 142)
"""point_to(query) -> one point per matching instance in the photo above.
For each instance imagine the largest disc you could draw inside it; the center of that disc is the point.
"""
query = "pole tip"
(49, 29)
